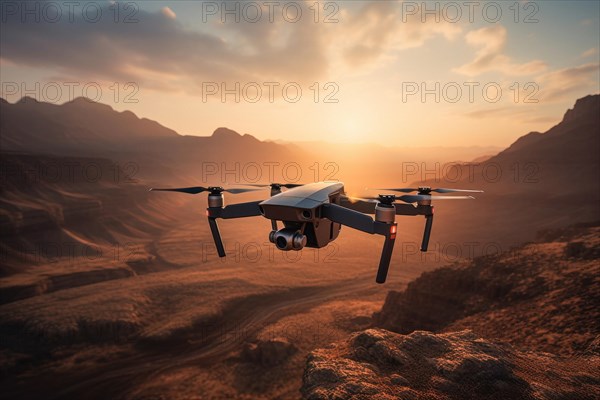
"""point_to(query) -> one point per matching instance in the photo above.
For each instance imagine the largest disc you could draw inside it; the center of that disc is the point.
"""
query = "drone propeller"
(443, 190)
(408, 198)
(278, 185)
(414, 198)
(427, 190)
(200, 189)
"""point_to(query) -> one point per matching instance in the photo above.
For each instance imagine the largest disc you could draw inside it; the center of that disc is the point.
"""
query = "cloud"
(514, 112)
(167, 12)
(489, 112)
(589, 53)
(380, 27)
(490, 56)
(564, 84)
(158, 51)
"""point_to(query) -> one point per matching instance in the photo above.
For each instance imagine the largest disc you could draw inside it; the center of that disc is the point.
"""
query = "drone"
(312, 214)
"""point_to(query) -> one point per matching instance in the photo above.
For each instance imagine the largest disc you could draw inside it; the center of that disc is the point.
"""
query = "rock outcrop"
(268, 353)
(378, 364)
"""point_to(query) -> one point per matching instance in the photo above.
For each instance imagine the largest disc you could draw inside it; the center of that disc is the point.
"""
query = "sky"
(409, 73)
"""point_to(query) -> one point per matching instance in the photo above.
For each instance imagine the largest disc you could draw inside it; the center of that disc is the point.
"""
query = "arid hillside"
(543, 295)
(72, 221)
(524, 324)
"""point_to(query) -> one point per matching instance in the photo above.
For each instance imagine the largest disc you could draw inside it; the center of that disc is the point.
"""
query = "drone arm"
(401, 208)
(409, 209)
(358, 205)
(348, 217)
(241, 210)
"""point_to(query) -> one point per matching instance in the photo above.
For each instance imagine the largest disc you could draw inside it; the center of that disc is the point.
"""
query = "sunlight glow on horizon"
(379, 74)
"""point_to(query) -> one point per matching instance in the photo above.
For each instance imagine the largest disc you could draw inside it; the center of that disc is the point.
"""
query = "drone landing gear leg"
(427, 232)
(359, 221)
(214, 229)
(386, 256)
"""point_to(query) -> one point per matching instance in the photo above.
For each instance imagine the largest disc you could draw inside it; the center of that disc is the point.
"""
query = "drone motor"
(385, 211)
(215, 199)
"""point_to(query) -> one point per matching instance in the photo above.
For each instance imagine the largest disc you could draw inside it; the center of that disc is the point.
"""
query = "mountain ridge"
(585, 108)
(542, 181)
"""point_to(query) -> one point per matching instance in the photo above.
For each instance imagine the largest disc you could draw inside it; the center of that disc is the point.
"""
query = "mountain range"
(543, 180)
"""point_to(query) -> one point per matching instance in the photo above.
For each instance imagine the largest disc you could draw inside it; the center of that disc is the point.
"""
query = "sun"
(352, 129)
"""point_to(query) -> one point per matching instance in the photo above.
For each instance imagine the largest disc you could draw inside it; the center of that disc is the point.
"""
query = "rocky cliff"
(378, 364)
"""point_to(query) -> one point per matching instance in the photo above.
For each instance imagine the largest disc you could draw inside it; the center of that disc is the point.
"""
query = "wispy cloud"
(564, 83)
(589, 53)
(513, 112)
(380, 27)
(491, 42)
(490, 112)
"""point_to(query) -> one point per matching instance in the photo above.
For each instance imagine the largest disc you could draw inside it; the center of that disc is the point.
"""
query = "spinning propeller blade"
(402, 190)
(200, 189)
(284, 185)
(240, 190)
(408, 198)
(413, 198)
(442, 190)
(428, 190)
(189, 190)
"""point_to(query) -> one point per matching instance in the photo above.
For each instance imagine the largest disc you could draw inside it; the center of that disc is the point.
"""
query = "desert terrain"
(110, 291)
(522, 325)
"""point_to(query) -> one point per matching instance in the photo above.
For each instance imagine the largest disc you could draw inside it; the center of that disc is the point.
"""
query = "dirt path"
(119, 377)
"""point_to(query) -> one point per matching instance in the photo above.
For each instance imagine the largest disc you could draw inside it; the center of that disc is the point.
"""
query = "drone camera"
(288, 239)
